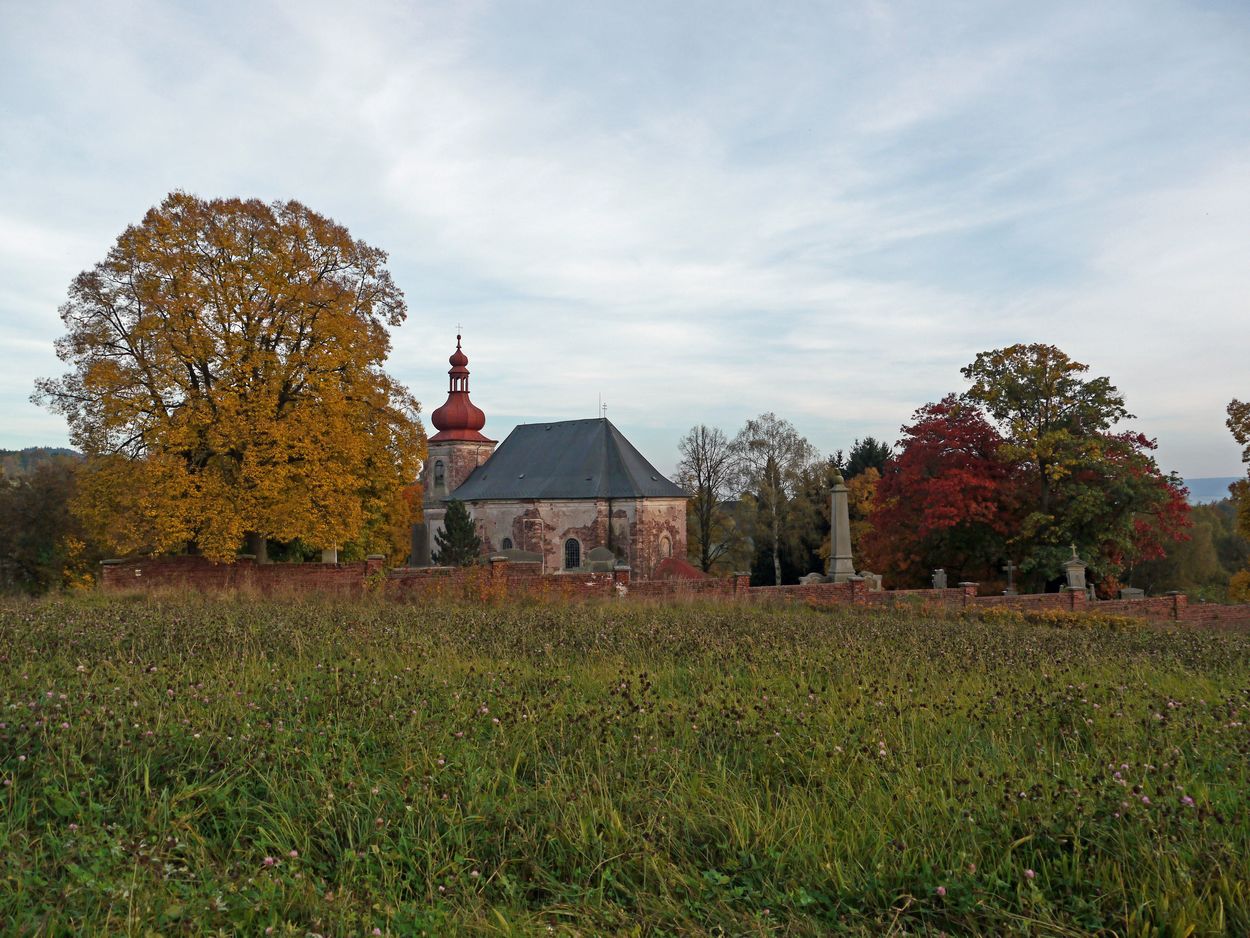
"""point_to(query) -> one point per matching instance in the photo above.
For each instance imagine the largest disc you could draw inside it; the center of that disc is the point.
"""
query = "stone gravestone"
(1074, 569)
(1131, 592)
(519, 556)
(810, 578)
(939, 579)
(871, 580)
(841, 566)
(601, 560)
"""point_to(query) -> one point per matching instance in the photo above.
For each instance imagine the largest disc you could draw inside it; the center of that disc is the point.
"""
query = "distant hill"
(16, 463)
(1208, 490)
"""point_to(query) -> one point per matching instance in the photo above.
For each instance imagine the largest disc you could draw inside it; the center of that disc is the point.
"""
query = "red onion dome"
(459, 413)
(458, 358)
(459, 418)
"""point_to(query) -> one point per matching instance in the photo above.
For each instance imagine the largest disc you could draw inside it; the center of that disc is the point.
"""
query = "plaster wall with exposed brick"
(641, 532)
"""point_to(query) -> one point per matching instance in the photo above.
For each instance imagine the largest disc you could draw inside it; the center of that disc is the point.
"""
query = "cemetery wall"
(1034, 602)
(1171, 606)
(954, 597)
(506, 579)
(1217, 615)
(198, 573)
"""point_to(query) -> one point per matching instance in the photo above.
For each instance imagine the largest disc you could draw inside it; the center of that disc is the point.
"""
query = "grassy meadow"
(182, 765)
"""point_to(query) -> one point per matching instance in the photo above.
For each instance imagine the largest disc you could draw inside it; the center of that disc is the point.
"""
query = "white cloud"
(702, 215)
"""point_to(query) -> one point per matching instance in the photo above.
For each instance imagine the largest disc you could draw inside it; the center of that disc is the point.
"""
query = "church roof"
(568, 459)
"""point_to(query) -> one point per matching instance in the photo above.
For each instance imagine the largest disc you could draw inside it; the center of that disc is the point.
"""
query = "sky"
(696, 212)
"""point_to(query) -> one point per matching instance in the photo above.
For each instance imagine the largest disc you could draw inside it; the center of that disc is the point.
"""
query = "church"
(551, 493)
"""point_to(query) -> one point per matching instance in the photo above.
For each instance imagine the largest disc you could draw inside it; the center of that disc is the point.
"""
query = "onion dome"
(459, 419)
(458, 359)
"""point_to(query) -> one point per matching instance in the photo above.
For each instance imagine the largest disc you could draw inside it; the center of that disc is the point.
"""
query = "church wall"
(657, 519)
(637, 528)
(459, 459)
(543, 525)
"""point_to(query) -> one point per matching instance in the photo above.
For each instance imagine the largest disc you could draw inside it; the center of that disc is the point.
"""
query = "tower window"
(439, 474)
(507, 544)
(572, 554)
(666, 547)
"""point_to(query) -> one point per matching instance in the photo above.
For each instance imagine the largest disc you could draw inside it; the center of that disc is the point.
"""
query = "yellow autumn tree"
(226, 383)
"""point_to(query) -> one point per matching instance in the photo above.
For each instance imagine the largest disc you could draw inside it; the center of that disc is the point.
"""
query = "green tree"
(42, 545)
(771, 457)
(1083, 483)
(1050, 416)
(805, 543)
(1239, 424)
(1231, 546)
(1190, 564)
(706, 470)
(226, 381)
(457, 543)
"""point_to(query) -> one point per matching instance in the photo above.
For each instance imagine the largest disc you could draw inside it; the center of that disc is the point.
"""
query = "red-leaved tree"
(945, 499)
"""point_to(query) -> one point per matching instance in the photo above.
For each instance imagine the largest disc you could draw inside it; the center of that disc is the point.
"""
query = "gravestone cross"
(1010, 570)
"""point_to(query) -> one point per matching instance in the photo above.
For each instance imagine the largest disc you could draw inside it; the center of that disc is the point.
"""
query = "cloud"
(699, 212)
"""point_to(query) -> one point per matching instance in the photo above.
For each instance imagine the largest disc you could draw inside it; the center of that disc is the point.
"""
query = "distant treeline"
(43, 546)
(17, 463)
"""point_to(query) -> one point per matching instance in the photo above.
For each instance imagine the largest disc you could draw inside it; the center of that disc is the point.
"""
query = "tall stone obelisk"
(841, 568)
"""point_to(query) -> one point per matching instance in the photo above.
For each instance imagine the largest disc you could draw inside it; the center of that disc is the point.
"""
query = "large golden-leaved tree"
(226, 383)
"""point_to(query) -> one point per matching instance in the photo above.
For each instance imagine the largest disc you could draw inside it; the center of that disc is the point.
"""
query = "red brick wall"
(1213, 614)
(1029, 601)
(502, 580)
(1153, 607)
(200, 574)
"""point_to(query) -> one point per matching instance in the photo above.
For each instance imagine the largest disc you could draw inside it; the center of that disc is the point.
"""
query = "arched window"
(666, 548)
(572, 554)
(507, 544)
(439, 474)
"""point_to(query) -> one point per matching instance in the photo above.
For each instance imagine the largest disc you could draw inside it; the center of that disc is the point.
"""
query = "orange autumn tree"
(226, 383)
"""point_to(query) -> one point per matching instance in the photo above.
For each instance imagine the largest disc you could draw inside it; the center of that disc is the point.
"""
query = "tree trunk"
(776, 547)
(258, 546)
(705, 533)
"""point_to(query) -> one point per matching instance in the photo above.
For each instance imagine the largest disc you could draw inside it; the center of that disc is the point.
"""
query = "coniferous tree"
(868, 453)
(458, 543)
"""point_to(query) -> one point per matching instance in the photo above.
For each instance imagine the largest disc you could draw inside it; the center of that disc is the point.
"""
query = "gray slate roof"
(568, 459)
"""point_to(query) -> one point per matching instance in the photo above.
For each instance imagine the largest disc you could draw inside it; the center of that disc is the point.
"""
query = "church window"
(572, 554)
(507, 544)
(439, 474)
(666, 547)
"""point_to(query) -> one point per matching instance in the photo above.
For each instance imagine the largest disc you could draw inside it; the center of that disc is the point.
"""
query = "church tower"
(453, 453)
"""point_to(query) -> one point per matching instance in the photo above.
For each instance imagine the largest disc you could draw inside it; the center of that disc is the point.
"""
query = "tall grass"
(189, 766)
